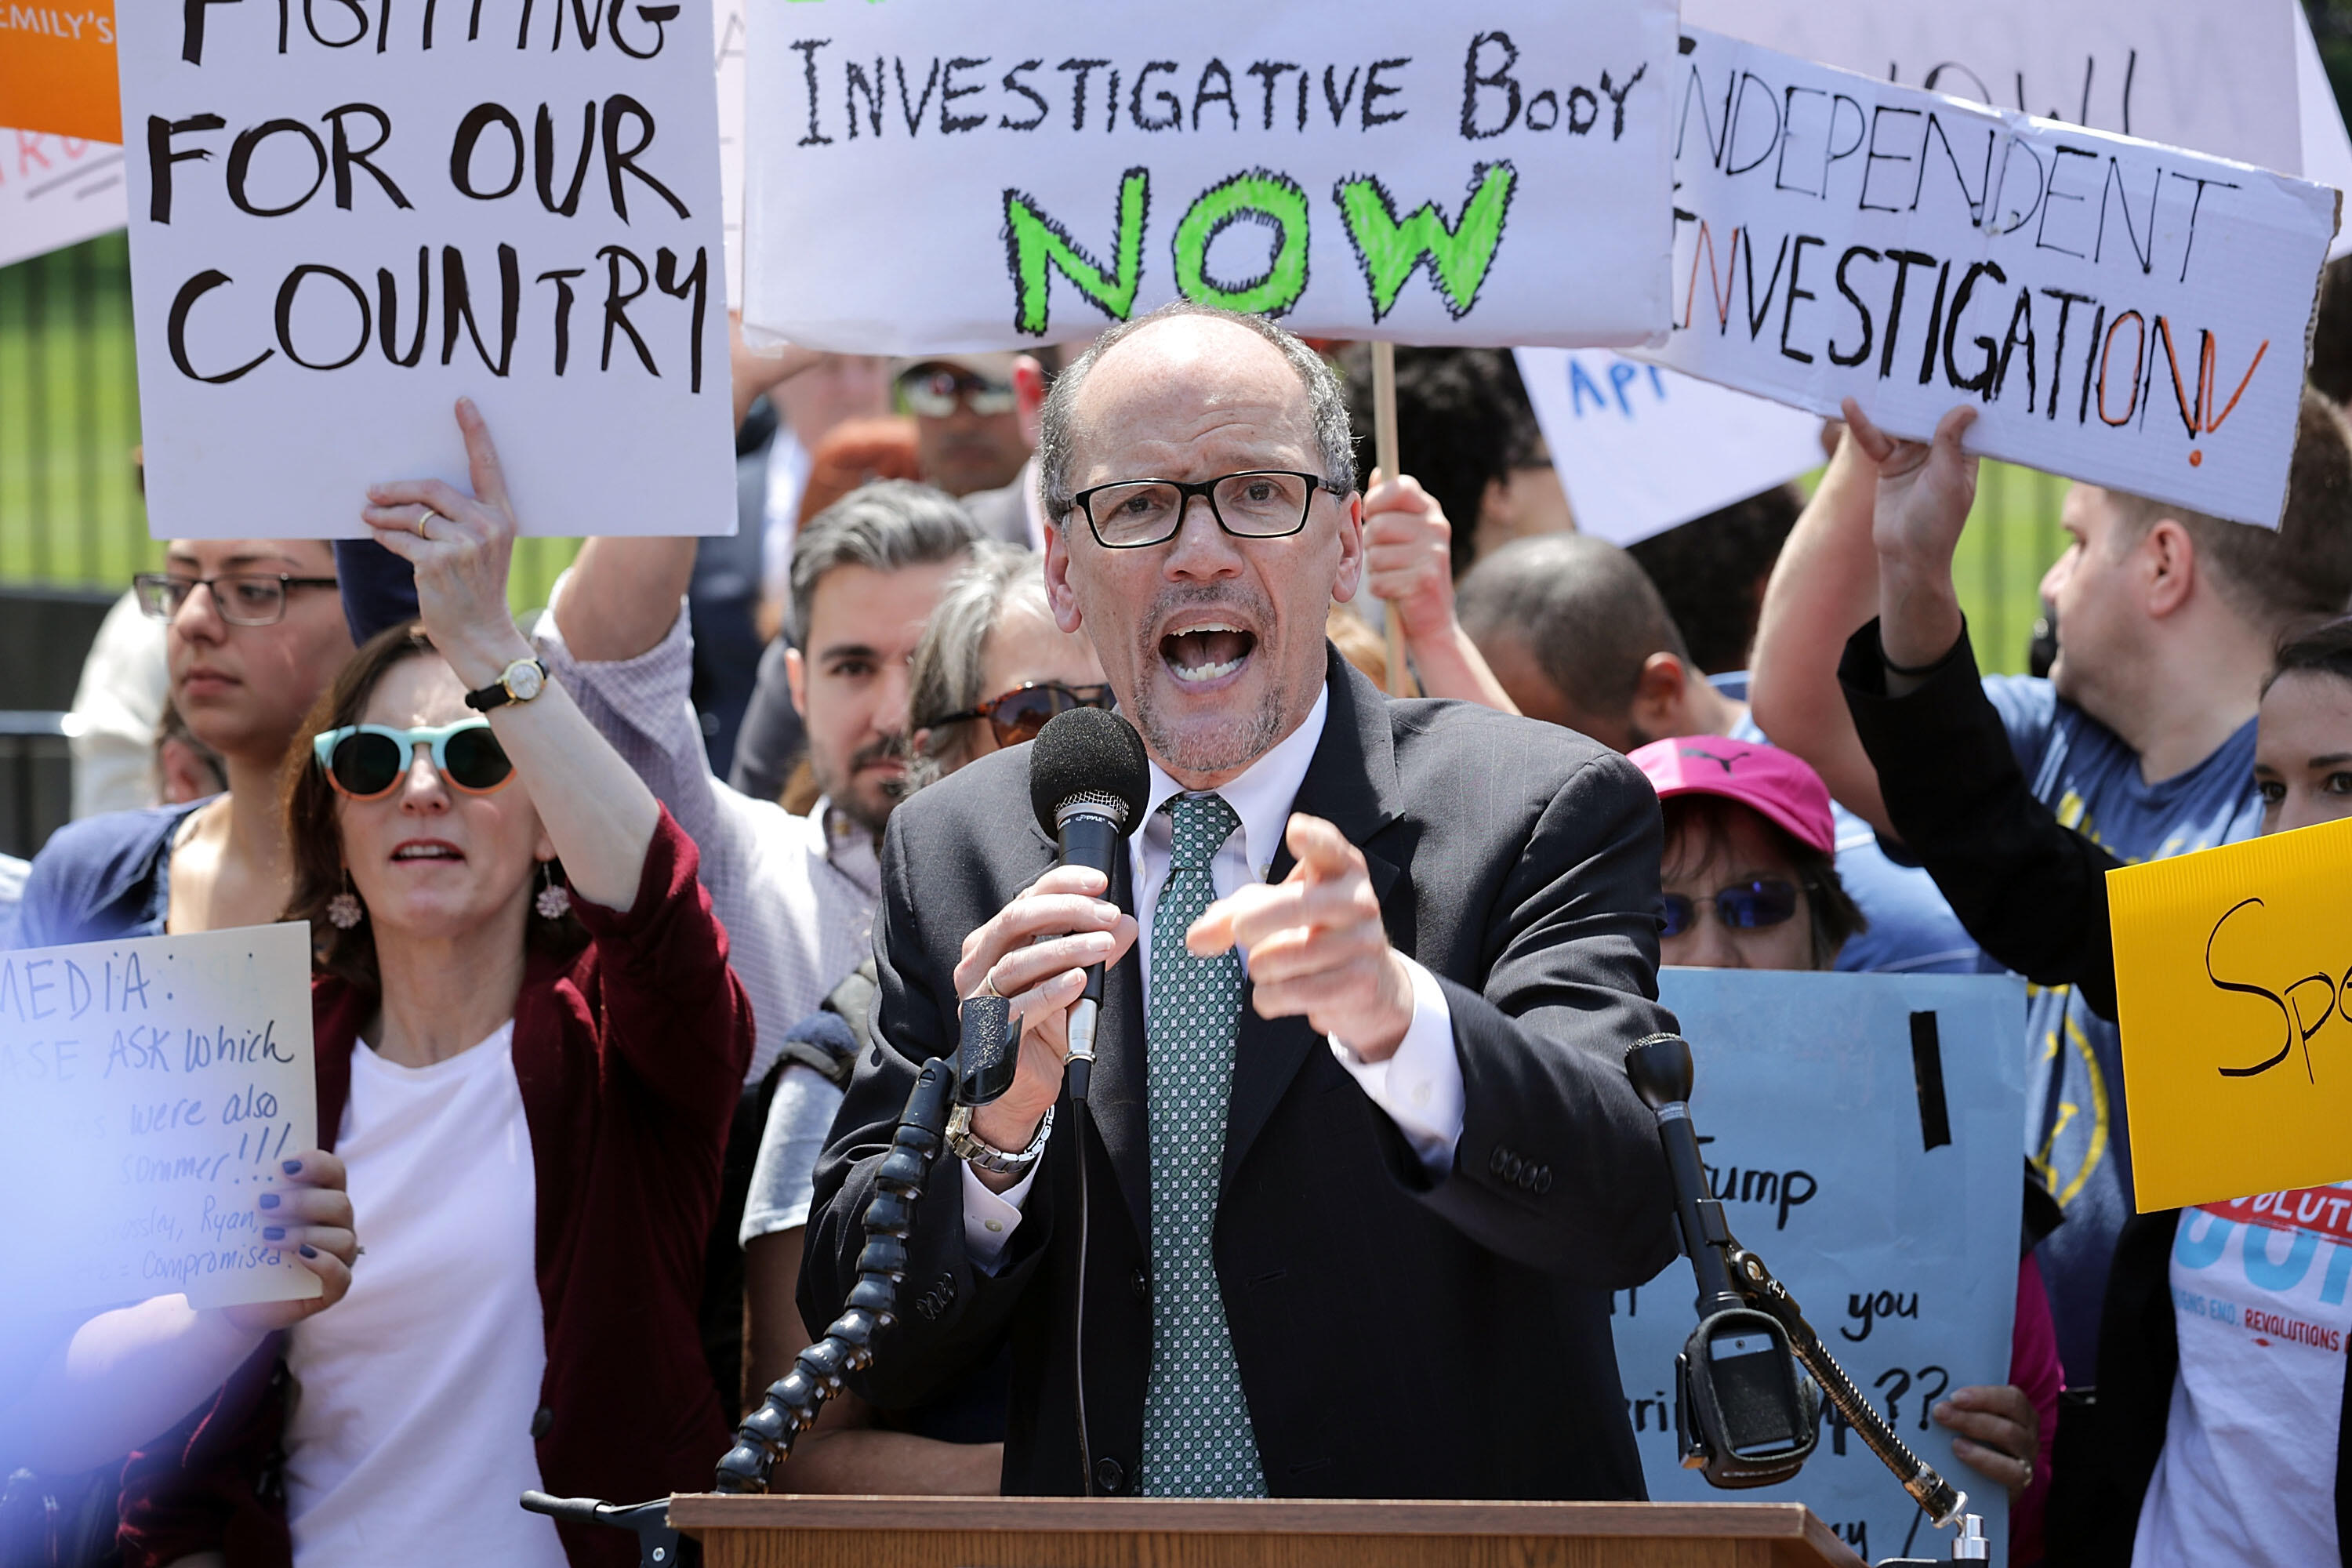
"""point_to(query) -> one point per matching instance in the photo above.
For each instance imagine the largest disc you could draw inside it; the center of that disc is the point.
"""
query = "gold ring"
(425, 517)
(987, 987)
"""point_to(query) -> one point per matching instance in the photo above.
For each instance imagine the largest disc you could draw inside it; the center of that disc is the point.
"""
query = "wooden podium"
(789, 1531)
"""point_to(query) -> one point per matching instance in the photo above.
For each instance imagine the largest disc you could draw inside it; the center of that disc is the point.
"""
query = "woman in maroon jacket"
(530, 1084)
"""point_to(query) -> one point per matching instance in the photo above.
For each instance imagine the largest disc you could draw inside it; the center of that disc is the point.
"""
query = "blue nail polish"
(293, 1167)
(273, 1233)
(308, 1251)
(269, 1200)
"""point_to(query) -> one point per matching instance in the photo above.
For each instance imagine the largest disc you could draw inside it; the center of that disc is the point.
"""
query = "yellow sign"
(57, 69)
(2233, 979)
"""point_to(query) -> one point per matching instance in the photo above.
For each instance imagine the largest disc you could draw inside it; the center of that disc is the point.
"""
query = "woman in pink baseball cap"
(1749, 875)
(1749, 871)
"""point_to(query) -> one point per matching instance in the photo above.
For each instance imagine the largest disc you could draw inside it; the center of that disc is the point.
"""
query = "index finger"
(1876, 444)
(1323, 851)
(482, 457)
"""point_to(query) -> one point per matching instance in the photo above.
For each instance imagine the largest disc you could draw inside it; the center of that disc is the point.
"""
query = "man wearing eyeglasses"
(968, 434)
(254, 633)
(1360, 1161)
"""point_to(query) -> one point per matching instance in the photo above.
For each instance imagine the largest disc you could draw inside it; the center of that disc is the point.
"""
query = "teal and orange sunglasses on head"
(367, 762)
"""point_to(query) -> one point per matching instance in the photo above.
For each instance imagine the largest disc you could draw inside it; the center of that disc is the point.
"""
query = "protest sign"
(2233, 990)
(343, 219)
(2327, 147)
(149, 1089)
(56, 191)
(727, 32)
(57, 69)
(2126, 314)
(1640, 449)
(1864, 1133)
(929, 176)
(2188, 73)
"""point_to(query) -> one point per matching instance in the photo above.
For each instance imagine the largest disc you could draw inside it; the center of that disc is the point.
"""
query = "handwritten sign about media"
(2127, 314)
(345, 218)
(149, 1089)
(1864, 1132)
(2233, 988)
(987, 177)
(2187, 73)
(56, 191)
(1641, 450)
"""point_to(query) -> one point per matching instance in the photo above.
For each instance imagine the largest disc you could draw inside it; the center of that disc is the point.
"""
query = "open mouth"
(1199, 656)
(434, 850)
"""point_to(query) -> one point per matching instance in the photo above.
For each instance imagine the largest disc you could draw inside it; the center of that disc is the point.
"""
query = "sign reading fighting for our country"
(2234, 989)
(929, 176)
(56, 191)
(1865, 1135)
(346, 216)
(149, 1090)
(2126, 314)
(2188, 73)
(1640, 449)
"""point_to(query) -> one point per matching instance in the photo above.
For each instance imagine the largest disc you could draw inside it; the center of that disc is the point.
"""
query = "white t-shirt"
(2248, 1471)
(409, 1440)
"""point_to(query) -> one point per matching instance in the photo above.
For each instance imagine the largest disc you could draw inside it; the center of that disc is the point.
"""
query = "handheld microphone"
(1088, 781)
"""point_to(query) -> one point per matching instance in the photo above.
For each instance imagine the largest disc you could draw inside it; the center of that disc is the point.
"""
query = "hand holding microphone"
(1046, 951)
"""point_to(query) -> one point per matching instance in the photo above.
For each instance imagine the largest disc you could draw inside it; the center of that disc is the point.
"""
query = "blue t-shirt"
(101, 877)
(2076, 1135)
(1912, 929)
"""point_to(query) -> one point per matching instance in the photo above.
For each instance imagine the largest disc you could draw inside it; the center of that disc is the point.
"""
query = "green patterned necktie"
(1197, 1440)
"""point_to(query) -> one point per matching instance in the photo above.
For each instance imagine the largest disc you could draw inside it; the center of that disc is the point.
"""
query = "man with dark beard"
(1359, 1089)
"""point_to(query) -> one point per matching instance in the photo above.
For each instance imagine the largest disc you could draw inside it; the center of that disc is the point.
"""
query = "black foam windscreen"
(1088, 751)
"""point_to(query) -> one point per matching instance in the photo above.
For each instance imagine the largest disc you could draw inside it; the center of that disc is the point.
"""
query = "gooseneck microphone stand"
(1739, 1413)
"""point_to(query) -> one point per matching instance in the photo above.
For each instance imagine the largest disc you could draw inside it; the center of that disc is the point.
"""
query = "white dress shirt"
(1420, 1087)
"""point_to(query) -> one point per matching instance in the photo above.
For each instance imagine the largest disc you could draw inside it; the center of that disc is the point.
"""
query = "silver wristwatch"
(985, 1156)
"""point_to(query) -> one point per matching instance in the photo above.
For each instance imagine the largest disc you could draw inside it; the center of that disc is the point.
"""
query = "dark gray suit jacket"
(1396, 1336)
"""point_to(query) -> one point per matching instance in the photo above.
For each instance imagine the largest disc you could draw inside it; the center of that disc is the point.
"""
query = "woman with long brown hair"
(529, 1048)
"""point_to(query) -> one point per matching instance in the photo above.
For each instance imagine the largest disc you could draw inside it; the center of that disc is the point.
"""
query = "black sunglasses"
(1017, 715)
(1750, 905)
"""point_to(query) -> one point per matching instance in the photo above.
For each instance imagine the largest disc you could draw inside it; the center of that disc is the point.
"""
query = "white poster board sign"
(1865, 1134)
(1640, 449)
(149, 1090)
(342, 225)
(56, 191)
(727, 36)
(2126, 314)
(2326, 148)
(2218, 79)
(929, 176)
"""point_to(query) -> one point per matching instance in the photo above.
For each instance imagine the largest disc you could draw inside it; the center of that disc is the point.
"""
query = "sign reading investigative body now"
(930, 176)
(1864, 1133)
(2130, 315)
(345, 217)
(149, 1088)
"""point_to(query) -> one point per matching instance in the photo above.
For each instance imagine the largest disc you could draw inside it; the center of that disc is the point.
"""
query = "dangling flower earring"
(554, 900)
(344, 910)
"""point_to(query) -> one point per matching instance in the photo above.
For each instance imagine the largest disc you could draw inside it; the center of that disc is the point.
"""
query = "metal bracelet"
(985, 1156)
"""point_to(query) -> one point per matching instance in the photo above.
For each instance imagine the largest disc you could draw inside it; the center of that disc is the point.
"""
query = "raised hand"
(1408, 554)
(461, 546)
(1925, 491)
(1315, 945)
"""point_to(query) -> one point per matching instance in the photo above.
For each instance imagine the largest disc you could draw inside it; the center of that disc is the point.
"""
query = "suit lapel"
(1352, 783)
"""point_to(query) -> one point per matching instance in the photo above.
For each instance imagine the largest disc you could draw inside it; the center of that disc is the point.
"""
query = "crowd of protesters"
(593, 909)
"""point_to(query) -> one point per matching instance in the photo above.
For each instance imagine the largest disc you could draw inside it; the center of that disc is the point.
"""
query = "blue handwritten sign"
(148, 1090)
(1864, 1132)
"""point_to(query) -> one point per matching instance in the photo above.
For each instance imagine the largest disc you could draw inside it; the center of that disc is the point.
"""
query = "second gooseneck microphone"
(1088, 782)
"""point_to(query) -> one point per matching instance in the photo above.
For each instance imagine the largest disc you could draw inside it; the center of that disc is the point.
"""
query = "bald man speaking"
(1366, 1166)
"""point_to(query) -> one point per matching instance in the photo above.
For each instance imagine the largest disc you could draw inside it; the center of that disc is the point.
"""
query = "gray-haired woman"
(993, 667)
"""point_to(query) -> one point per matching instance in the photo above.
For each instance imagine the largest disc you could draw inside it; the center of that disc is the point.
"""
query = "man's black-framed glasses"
(243, 598)
(1256, 503)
